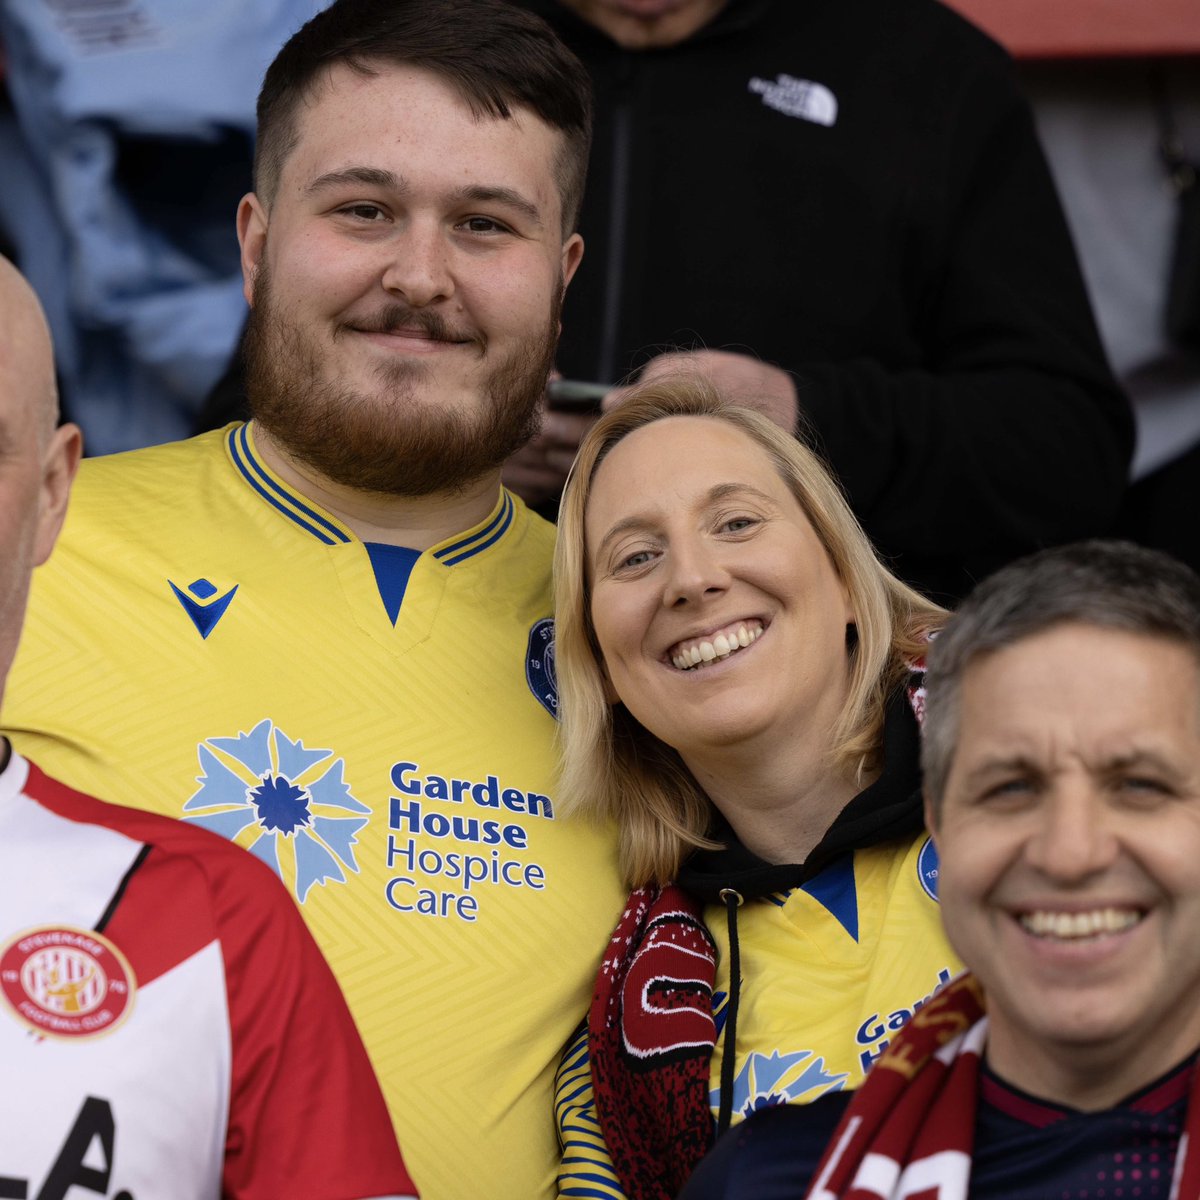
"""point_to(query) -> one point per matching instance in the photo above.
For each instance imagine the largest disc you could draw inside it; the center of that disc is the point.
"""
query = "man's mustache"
(400, 318)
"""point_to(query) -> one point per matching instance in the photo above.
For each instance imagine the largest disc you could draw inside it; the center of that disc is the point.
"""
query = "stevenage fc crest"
(65, 982)
(928, 868)
(539, 665)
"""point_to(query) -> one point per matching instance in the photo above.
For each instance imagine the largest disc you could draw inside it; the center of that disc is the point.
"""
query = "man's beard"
(389, 442)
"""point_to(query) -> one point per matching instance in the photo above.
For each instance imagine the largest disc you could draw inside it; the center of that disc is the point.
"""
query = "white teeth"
(1073, 926)
(721, 646)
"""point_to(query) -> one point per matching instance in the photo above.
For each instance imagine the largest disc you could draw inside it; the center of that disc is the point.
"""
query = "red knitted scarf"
(651, 1037)
(909, 1132)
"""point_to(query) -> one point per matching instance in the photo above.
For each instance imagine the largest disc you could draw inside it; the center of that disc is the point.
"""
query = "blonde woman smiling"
(738, 679)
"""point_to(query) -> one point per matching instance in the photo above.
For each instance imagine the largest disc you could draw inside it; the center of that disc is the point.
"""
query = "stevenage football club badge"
(66, 983)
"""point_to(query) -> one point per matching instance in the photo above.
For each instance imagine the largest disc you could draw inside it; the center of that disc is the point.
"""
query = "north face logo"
(798, 98)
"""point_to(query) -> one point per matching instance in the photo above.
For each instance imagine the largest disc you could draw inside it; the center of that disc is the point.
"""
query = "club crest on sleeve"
(927, 868)
(66, 982)
(539, 665)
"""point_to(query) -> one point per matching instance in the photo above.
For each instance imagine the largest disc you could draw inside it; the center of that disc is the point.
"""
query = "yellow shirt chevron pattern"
(208, 644)
(830, 971)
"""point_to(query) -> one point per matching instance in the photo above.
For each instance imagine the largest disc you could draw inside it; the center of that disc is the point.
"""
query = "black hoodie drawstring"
(732, 901)
(885, 810)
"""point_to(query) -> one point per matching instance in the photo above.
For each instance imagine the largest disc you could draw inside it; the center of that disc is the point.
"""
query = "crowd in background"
(840, 326)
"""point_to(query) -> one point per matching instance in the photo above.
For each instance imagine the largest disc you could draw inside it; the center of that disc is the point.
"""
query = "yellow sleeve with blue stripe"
(586, 1171)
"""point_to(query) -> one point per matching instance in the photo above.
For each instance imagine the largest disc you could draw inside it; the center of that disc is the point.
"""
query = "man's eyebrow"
(1007, 764)
(1021, 764)
(367, 176)
(478, 193)
(1139, 758)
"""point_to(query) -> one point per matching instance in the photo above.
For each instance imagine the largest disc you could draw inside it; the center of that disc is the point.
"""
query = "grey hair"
(1110, 584)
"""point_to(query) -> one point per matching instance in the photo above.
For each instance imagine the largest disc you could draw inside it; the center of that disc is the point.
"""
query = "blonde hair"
(612, 767)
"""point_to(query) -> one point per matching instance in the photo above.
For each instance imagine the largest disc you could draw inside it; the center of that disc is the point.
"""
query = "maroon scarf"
(650, 1038)
(909, 1132)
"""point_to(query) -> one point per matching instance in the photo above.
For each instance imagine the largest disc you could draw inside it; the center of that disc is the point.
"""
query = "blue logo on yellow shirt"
(201, 602)
(927, 868)
(769, 1079)
(285, 803)
(539, 666)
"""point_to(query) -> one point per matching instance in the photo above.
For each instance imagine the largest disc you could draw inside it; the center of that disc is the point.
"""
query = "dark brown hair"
(494, 55)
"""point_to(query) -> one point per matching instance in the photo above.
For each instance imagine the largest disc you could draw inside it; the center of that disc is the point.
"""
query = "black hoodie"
(909, 263)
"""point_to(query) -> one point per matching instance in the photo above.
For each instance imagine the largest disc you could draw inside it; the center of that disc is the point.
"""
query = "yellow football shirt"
(207, 643)
(829, 972)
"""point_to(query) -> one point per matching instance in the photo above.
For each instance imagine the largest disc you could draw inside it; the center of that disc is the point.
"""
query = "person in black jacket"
(839, 211)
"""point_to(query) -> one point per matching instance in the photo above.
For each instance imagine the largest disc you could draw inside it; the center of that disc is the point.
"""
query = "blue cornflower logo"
(292, 800)
(769, 1079)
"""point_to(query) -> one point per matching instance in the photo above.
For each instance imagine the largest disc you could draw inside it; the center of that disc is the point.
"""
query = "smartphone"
(574, 395)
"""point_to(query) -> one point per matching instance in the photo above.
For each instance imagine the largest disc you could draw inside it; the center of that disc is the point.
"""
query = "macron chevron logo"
(201, 602)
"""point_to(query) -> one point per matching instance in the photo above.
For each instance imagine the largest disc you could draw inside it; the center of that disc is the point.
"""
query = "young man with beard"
(1062, 777)
(339, 615)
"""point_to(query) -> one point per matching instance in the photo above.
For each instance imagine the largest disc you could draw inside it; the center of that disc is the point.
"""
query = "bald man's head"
(37, 461)
(26, 358)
